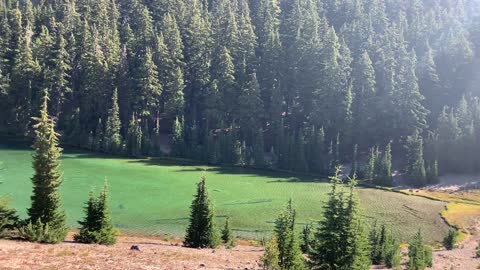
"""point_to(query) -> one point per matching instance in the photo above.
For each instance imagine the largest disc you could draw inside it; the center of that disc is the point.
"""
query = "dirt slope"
(159, 254)
(153, 254)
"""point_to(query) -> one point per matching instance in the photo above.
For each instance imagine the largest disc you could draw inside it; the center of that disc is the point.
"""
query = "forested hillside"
(291, 84)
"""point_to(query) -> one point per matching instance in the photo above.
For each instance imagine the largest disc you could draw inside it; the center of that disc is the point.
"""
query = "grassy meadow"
(153, 196)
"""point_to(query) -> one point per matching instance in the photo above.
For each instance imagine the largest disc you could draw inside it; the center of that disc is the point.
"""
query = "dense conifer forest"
(301, 85)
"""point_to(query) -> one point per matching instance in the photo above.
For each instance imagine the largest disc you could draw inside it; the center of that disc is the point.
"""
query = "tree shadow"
(186, 165)
(197, 166)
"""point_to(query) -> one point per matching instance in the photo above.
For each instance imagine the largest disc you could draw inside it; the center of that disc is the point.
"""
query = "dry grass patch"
(64, 253)
(461, 212)
(466, 197)
(464, 217)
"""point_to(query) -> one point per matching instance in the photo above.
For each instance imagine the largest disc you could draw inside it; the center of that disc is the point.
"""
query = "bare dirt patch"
(457, 182)
(154, 254)
(463, 211)
(462, 258)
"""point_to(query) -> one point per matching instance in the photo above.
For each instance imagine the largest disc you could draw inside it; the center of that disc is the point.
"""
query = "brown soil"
(157, 253)
(462, 258)
(154, 254)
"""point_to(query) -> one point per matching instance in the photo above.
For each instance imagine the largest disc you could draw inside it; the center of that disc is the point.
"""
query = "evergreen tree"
(357, 249)
(113, 140)
(148, 86)
(225, 28)
(364, 86)
(14, 33)
(97, 143)
(97, 225)
(384, 249)
(224, 76)
(270, 51)
(429, 256)
(412, 114)
(327, 253)
(8, 217)
(47, 222)
(178, 139)
(298, 153)
(341, 241)
(354, 168)
(201, 232)
(371, 168)
(432, 172)
(415, 169)
(250, 105)
(318, 158)
(308, 238)
(171, 67)
(90, 78)
(393, 256)
(449, 134)
(134, 138)
(59, 74)
(289, 252)
(270, 257)
(25, 83)
(238, 153)
(385, 175)
(258, 148)
(416, 253)
(227, 235)
(449, 239)
(247, 42)
(198, 45)
(429, 82)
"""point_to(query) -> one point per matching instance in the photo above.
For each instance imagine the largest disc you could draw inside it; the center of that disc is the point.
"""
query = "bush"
(8, 217)
(102, 237)
(449, 239)
(429, 256)
(43, 233)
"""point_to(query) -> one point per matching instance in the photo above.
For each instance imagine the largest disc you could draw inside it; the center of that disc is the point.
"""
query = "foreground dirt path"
(462, 258)
(153, 254)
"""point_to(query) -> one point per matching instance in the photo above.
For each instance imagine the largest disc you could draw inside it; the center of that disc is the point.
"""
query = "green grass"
(153, 196)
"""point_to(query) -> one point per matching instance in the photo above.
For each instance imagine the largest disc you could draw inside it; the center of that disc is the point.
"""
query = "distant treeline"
(292, 84)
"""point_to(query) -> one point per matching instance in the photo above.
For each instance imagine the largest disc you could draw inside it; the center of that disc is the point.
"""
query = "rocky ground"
(153, 254)
(462, 258)
(156, 253)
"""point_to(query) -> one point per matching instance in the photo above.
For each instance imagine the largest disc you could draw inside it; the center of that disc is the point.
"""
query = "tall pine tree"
(47, 219)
